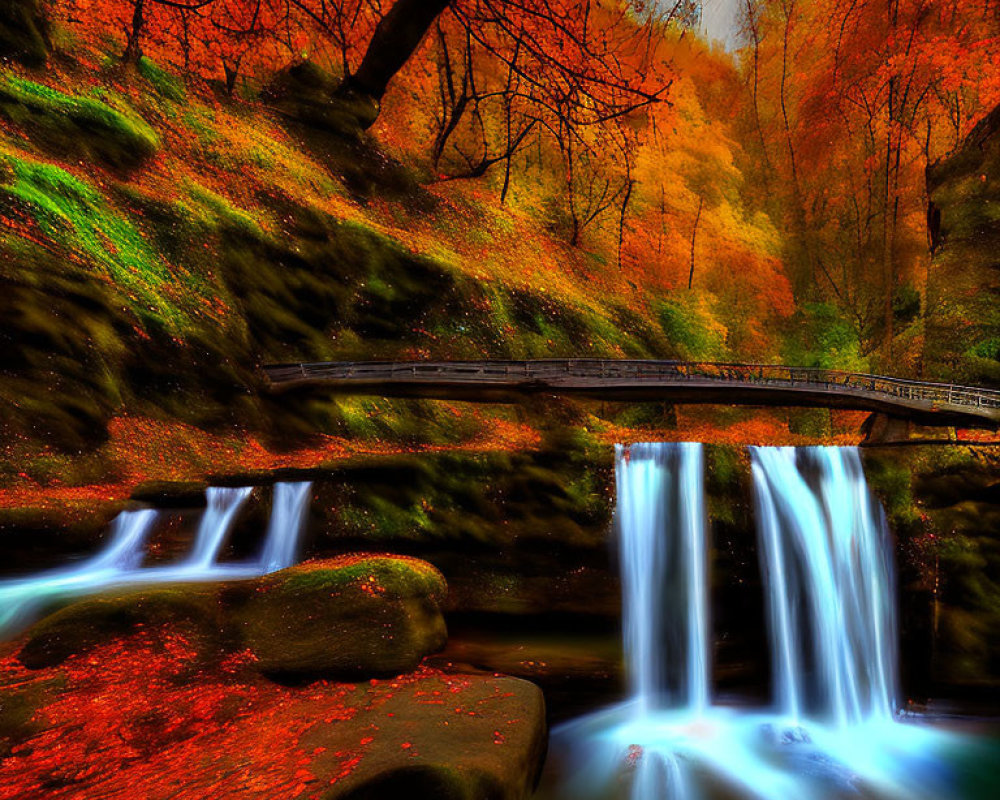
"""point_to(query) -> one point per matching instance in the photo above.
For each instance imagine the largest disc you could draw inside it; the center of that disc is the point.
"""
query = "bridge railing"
(555, 371)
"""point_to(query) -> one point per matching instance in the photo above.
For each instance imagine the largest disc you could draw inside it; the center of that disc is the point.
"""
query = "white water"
(288, 514)
(659, 490)
(826, 569)
(119, 564)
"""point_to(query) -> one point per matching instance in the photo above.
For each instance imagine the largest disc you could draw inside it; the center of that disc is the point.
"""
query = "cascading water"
(827, 569)
(288, 513)
(22, 598)
(661, 523)
(827, 573)
(120, 562)
(221, 507)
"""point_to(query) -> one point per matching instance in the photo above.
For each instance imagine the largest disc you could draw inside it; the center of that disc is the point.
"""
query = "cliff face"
(963, 316)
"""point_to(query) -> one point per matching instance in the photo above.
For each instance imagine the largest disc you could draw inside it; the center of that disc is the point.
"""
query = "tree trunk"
(694, 239)
(396, 37)
(133, 48)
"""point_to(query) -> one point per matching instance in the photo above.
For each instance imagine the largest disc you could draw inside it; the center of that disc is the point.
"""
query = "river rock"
(351, 617)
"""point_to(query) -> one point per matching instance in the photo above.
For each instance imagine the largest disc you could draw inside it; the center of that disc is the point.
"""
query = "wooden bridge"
(673, 381)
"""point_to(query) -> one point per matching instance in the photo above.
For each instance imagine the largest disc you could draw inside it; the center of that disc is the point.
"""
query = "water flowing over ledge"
(119, 564)
(826, 565)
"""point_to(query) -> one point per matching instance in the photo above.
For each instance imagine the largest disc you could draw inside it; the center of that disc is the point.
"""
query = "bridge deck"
(677, 381)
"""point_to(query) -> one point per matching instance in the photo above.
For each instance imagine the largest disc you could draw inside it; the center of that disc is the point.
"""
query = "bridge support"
(882, 428)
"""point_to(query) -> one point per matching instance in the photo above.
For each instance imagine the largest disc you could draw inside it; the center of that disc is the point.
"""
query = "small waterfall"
(126, 545)
(222, 506)
(288, 513)
(661, 522)
(827, 569)
(22, 598)
(119, 563)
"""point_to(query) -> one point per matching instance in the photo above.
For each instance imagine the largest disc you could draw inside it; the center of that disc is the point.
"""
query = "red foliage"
(145, 717)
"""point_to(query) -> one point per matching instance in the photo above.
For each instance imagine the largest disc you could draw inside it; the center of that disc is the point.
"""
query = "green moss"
(165, 84)
(826, 340)
(73, 214)
(890, 479)
(404, 577)
(690, 333)
(216, 211)
(73, 124)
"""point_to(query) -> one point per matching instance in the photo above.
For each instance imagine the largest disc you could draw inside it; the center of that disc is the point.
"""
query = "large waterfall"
(828, 574)
(826, 569)
(661, 523)
(119, 564)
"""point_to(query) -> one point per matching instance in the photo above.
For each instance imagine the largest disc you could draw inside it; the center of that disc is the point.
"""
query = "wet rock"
(171, 494)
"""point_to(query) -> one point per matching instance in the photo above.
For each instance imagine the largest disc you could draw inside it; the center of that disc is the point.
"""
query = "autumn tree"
(863, 95)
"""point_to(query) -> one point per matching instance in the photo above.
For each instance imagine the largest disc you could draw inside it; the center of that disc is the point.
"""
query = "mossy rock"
(75, 125)
(24, 32)
(350, 618)
(191, 610)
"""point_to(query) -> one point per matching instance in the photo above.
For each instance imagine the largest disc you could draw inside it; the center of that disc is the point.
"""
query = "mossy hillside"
(161, 289)
(68, 125)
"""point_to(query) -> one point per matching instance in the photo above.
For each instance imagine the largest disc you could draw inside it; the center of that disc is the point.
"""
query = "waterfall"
(661, 523)
(288, 513)
(827, 570)
(827, 573)
(221, 507)
(22, 598)
(119, 563)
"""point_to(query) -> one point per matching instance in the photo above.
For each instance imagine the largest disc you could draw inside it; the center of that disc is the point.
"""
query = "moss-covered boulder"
(24, 32)
(352, 617)
(191, 610)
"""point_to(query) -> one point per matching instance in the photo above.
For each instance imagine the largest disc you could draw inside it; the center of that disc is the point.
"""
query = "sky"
(720, 20)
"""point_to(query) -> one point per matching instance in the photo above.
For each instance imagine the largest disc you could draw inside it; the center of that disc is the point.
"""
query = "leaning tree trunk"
(395, 39)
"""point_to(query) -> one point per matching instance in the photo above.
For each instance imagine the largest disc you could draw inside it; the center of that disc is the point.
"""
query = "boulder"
(191, 610)
(451, 737)
(353, 617)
